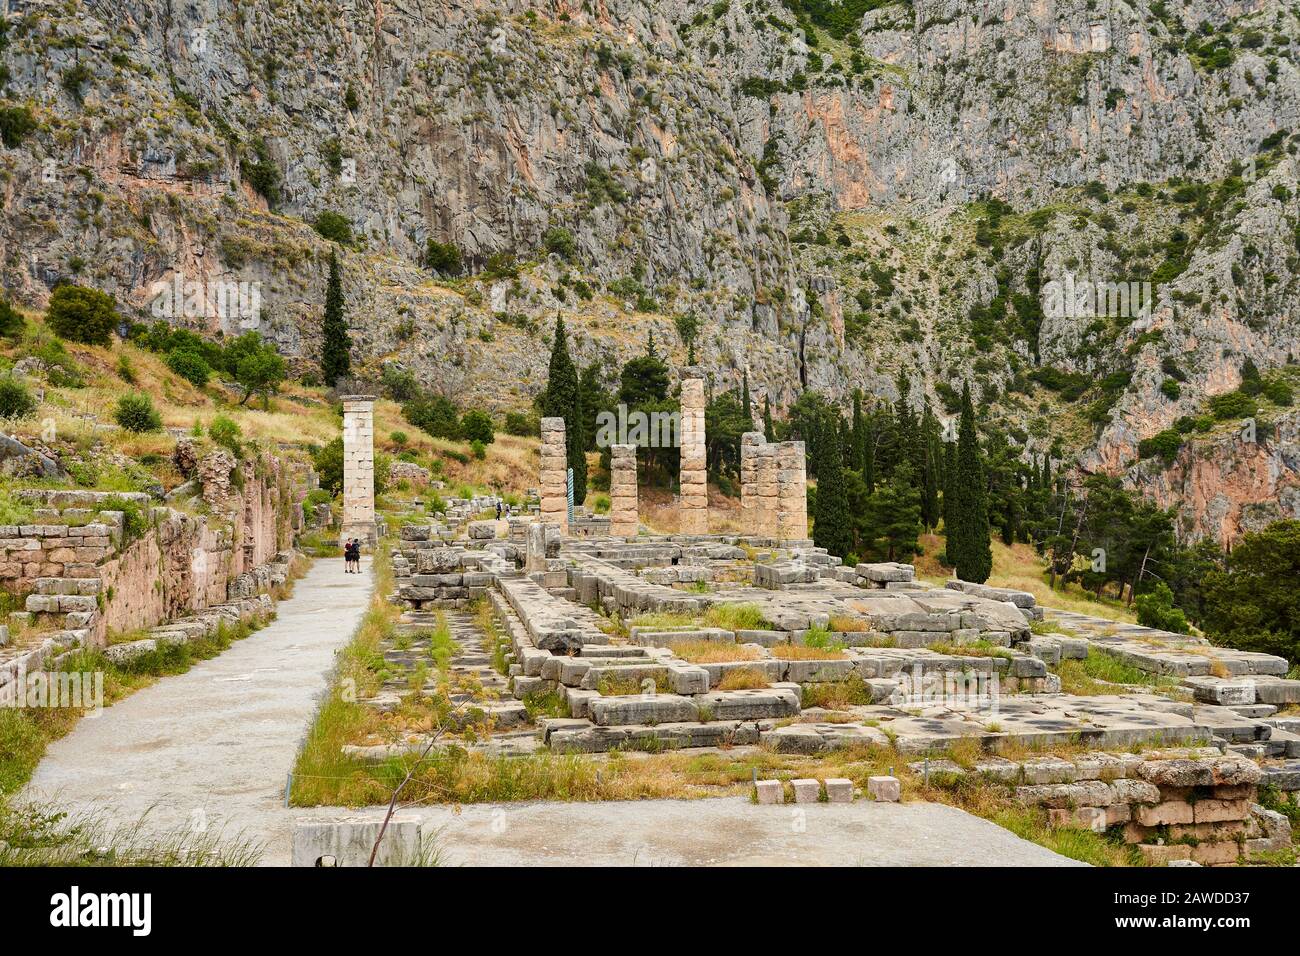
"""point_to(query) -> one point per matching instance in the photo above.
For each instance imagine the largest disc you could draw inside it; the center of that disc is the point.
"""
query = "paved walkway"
(214, 745)
(724, 831)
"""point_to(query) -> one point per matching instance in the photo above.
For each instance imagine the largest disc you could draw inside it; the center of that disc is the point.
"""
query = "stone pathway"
(213, 746)
(723, 831)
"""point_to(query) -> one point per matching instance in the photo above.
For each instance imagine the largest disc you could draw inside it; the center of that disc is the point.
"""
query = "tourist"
(498, 511)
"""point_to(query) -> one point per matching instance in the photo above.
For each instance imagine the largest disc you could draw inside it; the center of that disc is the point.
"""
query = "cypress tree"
(831, 527)
(744, 400)
(929, 471)
(769, 433)
(968, 537)
(858, 448)
(335, 360)
(949, 472)
(563, 399)
(869, 452)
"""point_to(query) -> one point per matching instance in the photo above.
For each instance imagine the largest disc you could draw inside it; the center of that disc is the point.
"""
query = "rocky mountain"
(837, 192)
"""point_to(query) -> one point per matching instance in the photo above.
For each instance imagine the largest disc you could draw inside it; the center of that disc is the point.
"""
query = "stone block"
(839, 790)
(806, 790)
(1157, 854)
(769, 792)
(1215, 811)
(884, 789)
(1161, 814)
(349, 842)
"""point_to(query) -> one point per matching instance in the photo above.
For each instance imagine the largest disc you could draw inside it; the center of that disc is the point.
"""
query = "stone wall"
(693, 510)
(96, 574)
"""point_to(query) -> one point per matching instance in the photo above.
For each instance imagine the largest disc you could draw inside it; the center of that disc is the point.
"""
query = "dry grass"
(1018, 566)
(743, 678)
(713, 652)
(847, 624)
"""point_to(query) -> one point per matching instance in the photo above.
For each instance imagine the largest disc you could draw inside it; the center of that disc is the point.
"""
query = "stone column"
(693, 510)
(750, 443)
(359, 469)
(792, 491)
(765, 504)
(622, 491)
(554, 477)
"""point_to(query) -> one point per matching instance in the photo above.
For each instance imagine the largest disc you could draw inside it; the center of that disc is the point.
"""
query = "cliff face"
(836, 199)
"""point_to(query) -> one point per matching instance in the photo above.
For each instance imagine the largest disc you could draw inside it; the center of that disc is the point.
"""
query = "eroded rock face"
(1226, 485)
(812, 205)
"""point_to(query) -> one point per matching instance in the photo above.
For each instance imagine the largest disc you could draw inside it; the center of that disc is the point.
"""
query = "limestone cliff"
(838, 192)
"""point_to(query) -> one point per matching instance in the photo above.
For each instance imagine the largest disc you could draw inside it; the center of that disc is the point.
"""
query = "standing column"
(622, 491)
(359, 468)
(554, 476)
(693, 513)
(750, 443)
(766, 502)
(792, 492)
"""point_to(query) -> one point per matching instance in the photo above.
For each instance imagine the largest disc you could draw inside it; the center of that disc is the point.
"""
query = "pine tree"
(769, 433)
(335, 361)
(895, 515)
(968, 536)
(831, 524)
(563, 399)
(745, 400)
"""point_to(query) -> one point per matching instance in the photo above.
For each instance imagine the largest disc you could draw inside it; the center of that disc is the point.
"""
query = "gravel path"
(213, 746)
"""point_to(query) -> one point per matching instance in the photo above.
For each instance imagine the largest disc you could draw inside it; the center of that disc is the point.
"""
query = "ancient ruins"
(695, 640)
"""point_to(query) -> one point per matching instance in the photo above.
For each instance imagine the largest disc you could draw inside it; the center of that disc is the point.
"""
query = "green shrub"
(334, 226)
(1171, 389)
(1232, 405)
(15, 399)
(559, 241)
(135, 413)
(11, 320)
(15, 123)
(190, 366)
(1279, 392)
(517, 423)
(79, 314)
(434, 414)
(136, 519)
(476, 425)
(328, 462)
(227, 433)
(442, 257)
(1164, 444)
(1155, 609)
(479, 449)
